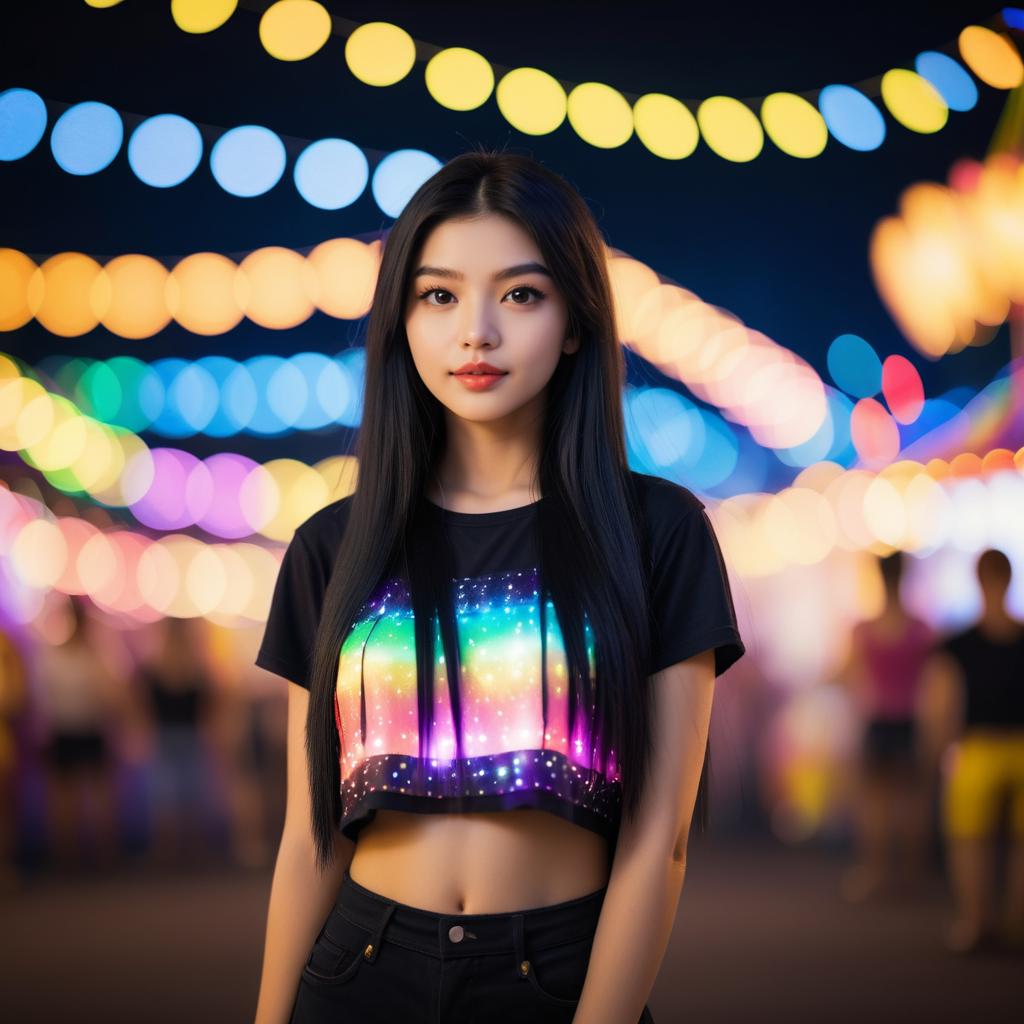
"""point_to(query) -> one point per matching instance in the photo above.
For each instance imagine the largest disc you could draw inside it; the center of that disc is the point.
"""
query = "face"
(481, 292)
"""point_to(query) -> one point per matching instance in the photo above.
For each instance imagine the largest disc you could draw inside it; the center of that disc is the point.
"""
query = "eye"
(530, 290)
(520, 289)
(429, 291)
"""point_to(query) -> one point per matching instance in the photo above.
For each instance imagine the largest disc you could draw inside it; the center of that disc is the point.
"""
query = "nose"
(478, 326)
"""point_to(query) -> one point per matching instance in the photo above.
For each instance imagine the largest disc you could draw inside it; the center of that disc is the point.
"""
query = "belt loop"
(522, 964)
(373, 946)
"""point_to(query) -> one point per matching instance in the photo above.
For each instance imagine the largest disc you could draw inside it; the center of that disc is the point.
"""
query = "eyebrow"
(520, 268)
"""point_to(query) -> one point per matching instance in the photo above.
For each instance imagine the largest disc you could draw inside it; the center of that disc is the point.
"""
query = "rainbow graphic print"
(509, 757)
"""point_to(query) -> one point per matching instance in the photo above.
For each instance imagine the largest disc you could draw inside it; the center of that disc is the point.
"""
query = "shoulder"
(323, 530)
(664, 503)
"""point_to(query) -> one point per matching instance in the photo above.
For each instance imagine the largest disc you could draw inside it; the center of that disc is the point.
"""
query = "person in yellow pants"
(984, 683)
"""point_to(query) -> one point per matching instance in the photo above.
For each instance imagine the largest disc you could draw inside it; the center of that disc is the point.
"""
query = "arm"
(650, 856)
(300, 899)
(940, 707)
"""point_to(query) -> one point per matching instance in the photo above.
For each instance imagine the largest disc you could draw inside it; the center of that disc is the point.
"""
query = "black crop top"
(509, 762)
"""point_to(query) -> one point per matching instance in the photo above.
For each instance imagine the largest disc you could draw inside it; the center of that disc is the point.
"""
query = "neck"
(490, 460)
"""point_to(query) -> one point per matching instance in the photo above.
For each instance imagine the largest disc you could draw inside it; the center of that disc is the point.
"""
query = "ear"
(570, 345)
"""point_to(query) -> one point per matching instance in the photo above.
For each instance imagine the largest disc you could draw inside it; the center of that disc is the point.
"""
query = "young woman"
(502, 646)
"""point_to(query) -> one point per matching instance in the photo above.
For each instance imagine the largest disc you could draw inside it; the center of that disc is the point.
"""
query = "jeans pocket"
(338, 952)
(558, 972)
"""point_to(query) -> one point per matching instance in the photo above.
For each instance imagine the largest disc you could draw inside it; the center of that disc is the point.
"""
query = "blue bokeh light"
(670, 436)
(165, 150)
(398, 176)
(855, 366)
(86, 137)
(225, 420)
(22, 122)
(248, 160)
(851, 117)
(950, 77)
(331, 173)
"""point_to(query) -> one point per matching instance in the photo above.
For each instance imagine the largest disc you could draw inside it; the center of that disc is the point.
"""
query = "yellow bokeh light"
(199, 16)
(531, 100)
(346, 270)
(665, 126)
(794, 125)
(159, 573)
(15, 396)
(98, 563)
(286, 492)
(48, 435)
(35, 420)
(279, 287)
(294, 29)
(379, 53)
(730, 128)
(884, 513)
(600, 115)
(914, 101)
(59, 294)
(16, 270)
(630, 281)
(132, 290)
(459, 79)
(202, 292)
(340, 475)
(991, 56)
(102, 4)
(101, 459)
(39, 554)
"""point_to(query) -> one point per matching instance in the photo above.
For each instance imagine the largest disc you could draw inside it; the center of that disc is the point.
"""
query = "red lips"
(478, 368)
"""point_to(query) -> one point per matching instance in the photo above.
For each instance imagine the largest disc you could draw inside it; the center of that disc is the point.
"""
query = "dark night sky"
(778, 241)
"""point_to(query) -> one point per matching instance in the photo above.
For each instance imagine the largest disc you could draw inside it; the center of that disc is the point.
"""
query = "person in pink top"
(887, 666)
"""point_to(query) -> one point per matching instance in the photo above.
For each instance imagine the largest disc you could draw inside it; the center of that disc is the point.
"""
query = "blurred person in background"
(12, 705)
(177, 696)
(80, 702)
(891, 794)
(980, 682)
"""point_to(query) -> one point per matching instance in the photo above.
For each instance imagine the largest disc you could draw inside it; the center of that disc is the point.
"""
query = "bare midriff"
(479, 863)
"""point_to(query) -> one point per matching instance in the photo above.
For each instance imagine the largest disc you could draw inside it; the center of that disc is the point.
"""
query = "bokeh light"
(851, 117)
(294, 29)
(730, 128)
(600, 115)
(397, 177)
(991, 56)
(948, 76)
(165, 150)
(22, 122)
(248, 160)
(913, 101)
(531, 100)
(86, 137)
(379, 53)
(665, 126)
(331, 173)
(794, 125)
(459, 79)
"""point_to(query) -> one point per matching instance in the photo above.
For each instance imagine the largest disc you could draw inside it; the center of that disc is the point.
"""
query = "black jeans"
(377, 961)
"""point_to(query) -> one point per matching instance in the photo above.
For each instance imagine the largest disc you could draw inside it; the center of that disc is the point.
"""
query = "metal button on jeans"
(455, 933)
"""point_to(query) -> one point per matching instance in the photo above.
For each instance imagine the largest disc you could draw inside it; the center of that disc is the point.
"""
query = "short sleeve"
(287, 645)
(691, 601)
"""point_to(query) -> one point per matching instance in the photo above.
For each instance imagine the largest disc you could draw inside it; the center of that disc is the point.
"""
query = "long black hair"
(594, 553)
